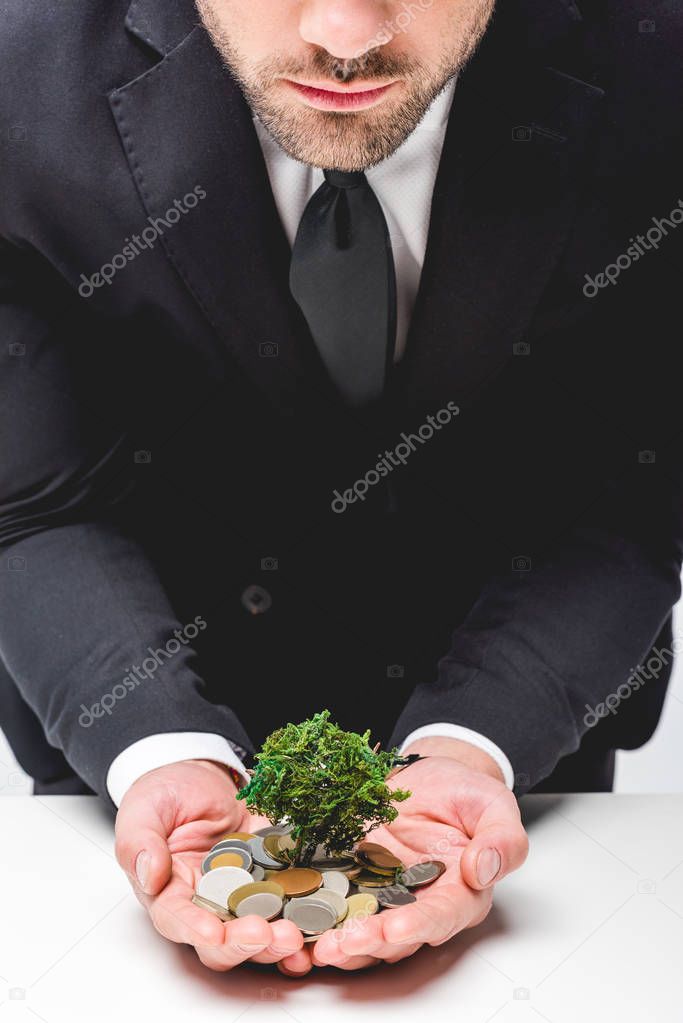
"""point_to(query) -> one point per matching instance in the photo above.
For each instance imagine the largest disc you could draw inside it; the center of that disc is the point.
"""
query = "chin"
(347, 148)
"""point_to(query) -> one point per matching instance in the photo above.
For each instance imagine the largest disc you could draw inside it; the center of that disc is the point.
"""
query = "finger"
(393, 950)
(358, 935)
(296, 965)
(285, 940)
(356, 963)
(371, 939)
(214, 958)
(244, 939)
(222, 945)
(396, 957)
(498, 846)
(141, 847)
(485, 909)
(390, 951)
(178, 919)
(344, 962)
(433, 919)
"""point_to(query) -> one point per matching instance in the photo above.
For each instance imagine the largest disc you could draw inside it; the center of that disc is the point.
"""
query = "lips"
(338, 99)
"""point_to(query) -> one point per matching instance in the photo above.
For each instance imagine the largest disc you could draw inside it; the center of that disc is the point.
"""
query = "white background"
(590, 929)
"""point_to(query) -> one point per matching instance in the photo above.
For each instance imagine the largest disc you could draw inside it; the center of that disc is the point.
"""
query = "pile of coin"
(245, 874)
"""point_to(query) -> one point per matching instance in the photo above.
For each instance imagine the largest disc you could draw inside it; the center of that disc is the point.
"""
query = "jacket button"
(256, 599)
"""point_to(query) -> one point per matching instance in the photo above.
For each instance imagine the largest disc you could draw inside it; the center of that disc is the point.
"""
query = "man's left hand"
(460, 812)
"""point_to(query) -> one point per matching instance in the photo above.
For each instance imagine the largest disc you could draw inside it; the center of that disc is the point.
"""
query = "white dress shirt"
(403, 184)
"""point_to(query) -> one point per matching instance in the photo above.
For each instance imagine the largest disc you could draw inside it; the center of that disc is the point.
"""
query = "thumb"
(498, 846)
(141, 842)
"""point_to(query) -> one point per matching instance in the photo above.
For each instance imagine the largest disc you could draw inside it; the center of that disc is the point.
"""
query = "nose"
(346, 28)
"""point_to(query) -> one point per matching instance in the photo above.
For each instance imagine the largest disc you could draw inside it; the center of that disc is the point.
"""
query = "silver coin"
(261, 857)
(322, 861)
(392, 896)
(330, 898)
(231, 843)
(332, 863)
(213, 907)
(263, 904)
(222, 846)
(309, 916)
(243, 854)
(218, 884)
(257, 872)
(335, 881)
(421, 874)
(273, 829)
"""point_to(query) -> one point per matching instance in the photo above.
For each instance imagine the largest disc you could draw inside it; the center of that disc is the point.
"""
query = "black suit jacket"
(533, 552)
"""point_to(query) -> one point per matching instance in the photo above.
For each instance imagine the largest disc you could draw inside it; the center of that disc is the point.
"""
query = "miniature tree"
(328, 784)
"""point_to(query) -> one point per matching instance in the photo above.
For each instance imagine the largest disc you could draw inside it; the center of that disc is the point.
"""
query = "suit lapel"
(501, 210)
(184, 125)
(505, 194)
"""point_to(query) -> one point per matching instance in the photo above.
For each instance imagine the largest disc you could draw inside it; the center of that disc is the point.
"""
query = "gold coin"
(362, 904)
(373, 880)
(255, 888)
(351, 872)
(298, 881)
(335, 861)
(378, 856)
(243, 836)
(270, 844)
(285, 843)
(383, 871)
(226, 859)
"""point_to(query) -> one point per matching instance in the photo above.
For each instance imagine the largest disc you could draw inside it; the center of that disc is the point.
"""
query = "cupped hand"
(167, 821)
(463, 816)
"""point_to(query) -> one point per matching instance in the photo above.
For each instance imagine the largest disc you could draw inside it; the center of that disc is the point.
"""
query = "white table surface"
(591, 928)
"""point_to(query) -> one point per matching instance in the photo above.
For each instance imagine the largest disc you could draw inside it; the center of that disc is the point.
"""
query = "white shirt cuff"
(167, 748)
(450, 731)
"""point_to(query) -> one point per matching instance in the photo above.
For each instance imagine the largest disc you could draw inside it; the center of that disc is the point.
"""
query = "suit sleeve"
(542, 650)
(538, 653)
(80, 601)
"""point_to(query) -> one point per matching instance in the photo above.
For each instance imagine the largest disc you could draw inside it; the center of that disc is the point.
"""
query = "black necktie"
(342, 276)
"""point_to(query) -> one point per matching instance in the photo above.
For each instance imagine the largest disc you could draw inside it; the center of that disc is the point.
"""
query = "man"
(397, 439)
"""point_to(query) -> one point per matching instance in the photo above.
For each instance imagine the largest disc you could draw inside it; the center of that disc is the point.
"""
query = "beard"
(346, 141)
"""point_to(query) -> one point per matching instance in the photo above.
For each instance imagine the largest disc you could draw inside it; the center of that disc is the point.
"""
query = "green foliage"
(328, 783)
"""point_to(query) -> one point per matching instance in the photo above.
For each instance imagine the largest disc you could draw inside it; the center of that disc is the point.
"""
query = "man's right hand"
(167, 822)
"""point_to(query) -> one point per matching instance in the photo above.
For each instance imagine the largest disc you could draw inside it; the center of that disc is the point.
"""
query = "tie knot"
(344, 179)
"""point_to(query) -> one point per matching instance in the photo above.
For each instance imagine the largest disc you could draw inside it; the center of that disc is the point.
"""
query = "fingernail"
(142, 868)
(488, 865)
